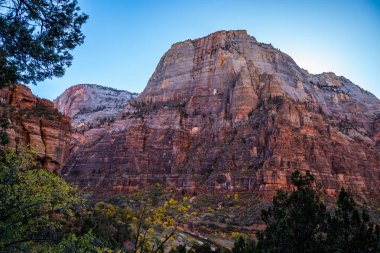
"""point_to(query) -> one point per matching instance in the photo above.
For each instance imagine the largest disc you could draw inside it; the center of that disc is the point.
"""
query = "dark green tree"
(242, 245)
(197, 248)
(296, 221)
(202, 248)
(86, 243)
(4, 140)
(299, 222)
(37, 37)
(107, 222)
(179, 249)
(350, 229)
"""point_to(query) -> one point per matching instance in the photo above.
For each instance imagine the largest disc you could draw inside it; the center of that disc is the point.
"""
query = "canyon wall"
(30, 121)
(228, 112)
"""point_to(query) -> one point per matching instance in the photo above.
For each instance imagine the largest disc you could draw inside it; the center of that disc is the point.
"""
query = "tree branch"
(164, 241)
(4, 218)
(139, 228)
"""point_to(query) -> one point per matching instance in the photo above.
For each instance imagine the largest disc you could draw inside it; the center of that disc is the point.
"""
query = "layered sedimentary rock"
(228, 112)
(31, 121)
(91, 104)
(92, 109)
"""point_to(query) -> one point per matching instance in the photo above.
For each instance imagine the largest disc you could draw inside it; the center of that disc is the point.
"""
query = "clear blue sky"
(125, 39)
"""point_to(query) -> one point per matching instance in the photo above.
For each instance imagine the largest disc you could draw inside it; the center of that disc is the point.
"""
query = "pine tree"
(299, 222)
(296, 221)
(37, 37)
(350, 229)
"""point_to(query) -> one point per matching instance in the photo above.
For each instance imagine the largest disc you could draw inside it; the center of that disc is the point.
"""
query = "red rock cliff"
(228, 112)
(34, 121)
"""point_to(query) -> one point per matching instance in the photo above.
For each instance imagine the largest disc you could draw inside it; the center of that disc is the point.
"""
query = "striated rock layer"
(28, 120)
(92, 109)
(91, 104)
(228, 112)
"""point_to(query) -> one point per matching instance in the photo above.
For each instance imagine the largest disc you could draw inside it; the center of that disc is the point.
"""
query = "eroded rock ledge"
(34, 121)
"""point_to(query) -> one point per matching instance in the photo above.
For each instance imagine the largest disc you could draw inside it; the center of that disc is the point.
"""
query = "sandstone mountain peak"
(227, 112)
(88, 104)
(218, 35)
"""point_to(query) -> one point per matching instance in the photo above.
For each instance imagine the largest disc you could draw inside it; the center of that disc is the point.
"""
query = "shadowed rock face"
(34, 121)
(228, 112)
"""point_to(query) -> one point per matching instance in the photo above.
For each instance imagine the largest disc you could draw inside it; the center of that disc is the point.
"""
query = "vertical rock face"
(228, 112)
(29, 120)
(92, 109)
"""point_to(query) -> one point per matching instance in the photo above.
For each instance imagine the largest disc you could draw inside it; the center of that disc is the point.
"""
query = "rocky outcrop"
(228, 112)
(28, 120)
(92, 109)
(90, 104)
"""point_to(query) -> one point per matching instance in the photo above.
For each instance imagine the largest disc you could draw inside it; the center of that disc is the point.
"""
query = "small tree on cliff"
(37, 37)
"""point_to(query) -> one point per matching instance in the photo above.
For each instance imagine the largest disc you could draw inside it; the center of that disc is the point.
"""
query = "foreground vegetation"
(300, 222)
(40, 212)
(37, 39)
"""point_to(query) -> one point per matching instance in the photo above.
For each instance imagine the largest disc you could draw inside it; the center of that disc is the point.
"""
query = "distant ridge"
(88, 104)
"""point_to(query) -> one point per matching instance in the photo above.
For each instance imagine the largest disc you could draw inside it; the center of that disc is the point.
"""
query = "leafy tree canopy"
(34, 203)
(37, 37)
